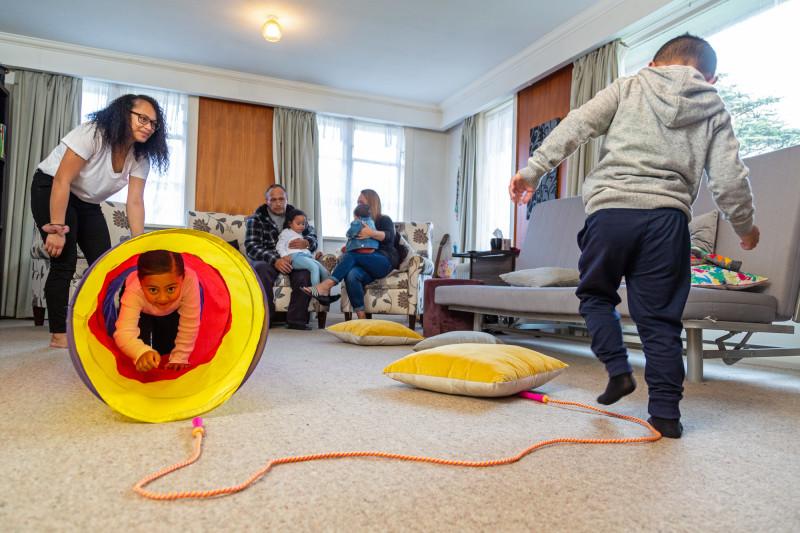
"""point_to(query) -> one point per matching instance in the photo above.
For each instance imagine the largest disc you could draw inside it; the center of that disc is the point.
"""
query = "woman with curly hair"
(113, 149)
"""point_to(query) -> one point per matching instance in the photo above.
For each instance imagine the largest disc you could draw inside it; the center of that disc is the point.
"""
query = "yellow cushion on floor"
(371, 332)
(488, 370)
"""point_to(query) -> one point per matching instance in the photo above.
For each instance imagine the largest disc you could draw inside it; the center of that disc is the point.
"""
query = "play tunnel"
(233, 330)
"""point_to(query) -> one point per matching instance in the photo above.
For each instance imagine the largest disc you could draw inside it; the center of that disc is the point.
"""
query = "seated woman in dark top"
(360, 267)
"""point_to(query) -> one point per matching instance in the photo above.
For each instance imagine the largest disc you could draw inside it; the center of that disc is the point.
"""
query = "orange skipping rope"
(199, 431)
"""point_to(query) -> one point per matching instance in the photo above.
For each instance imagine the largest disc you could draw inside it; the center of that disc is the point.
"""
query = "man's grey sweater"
(664, 127)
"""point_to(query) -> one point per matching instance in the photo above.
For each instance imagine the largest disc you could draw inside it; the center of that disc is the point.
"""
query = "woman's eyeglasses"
(144, 120)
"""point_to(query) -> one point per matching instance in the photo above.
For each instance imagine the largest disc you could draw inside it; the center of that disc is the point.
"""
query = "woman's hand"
(148, 361)
(54, 244)
(176, 366)
(366, 232)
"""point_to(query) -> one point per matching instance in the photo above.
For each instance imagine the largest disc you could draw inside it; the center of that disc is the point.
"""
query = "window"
(755, 41)
(353, 156)
(164, 193)
(495, 168)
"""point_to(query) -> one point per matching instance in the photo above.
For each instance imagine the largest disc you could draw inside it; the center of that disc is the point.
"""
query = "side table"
(487, 266)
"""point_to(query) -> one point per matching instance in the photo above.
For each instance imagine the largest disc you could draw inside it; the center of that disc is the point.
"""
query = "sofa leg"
(477, 322)
(694, 355)
(322, 317)
(412, 321)
(369, 316)
(38, 316)
(348, 316)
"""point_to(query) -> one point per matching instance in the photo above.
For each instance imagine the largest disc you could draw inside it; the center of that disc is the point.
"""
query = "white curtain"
(295, 149)
(495, 168)
(164, 194)
(590, 74)
(466, 197)
(43, 107)
(353, 156)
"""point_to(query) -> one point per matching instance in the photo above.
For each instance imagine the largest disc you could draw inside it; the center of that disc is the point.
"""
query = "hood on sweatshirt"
(679, 95)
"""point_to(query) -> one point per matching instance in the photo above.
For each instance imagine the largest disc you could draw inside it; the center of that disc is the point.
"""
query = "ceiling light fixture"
(271, 30)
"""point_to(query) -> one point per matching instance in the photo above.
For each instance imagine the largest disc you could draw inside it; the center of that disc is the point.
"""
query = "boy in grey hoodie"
(664, 127)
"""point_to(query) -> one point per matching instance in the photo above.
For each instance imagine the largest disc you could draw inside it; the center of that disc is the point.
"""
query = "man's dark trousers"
(650, 247)
(297, 315)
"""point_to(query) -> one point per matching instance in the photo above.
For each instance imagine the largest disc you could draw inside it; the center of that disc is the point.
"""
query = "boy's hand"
(148, 361)
(750, 241)
(176, 366)
(519, 190)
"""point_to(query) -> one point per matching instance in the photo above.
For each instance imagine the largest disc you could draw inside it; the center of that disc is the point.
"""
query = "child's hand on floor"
(750, 241)
(520, 190)
(148, 361)
(176, 366)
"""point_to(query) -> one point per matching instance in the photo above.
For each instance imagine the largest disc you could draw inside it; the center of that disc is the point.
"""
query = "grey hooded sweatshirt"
(664, 127)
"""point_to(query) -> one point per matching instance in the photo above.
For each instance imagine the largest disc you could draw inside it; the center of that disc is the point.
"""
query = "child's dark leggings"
(87, 229)
(650, 247)
(159, 331)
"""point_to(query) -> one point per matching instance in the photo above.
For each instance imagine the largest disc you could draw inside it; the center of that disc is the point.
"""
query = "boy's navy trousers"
(650, 248)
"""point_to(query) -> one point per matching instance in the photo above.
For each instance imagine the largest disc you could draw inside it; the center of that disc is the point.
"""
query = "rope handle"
(198, 432)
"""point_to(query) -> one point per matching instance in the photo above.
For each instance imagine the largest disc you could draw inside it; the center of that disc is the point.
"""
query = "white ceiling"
(416, 50)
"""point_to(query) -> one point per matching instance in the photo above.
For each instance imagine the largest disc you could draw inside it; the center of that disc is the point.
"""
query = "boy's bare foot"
(617, 387)
(58, 340)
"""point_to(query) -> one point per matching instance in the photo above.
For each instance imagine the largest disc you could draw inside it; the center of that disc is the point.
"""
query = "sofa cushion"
(394, 280)
(542, 277)
(703, 231)
(735, 306)
(476, 369)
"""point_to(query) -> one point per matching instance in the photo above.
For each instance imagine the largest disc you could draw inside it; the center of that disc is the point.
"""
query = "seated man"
(261, 238)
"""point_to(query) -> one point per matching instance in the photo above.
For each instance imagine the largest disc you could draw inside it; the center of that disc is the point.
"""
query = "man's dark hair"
(275, 186)
(159, 262)
(362, 211)
(291, 215)
(689, 49)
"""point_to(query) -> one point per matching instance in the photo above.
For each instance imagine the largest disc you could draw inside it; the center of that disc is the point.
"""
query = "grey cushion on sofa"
(735, 306)
(542, 277)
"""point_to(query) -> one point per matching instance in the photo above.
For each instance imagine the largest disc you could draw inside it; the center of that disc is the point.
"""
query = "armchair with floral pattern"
(401, 292)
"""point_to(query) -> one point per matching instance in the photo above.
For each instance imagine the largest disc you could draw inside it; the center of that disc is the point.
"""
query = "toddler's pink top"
(133, 303)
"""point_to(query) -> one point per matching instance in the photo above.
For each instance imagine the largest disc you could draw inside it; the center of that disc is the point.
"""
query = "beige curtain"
(466, 198)
(295, 145)
(44, 108)
(590, 74)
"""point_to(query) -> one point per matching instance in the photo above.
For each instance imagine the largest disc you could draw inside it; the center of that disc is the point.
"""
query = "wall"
(430, 189)
(545, 100)
(234, 156)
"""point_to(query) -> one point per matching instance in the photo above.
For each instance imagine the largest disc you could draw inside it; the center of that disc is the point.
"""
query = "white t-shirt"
(97, 180)
(286, 236)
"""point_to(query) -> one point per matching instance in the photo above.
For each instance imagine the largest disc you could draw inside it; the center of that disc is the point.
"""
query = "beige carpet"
(67, 462)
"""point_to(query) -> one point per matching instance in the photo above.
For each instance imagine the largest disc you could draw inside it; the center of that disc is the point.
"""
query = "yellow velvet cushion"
(476, 369)
(374, 332)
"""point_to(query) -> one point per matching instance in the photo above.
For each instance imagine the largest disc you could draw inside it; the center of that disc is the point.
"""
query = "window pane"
(495, 168)
(333, 192)
(355, 156)
(383, 180)
(375, 142)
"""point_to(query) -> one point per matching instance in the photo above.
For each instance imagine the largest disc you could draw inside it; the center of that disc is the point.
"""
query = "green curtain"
(466, 197)
(590, 74)
(295, 145)
(44, 108)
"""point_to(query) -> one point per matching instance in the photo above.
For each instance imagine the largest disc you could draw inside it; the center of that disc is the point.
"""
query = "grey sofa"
(551, 241)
